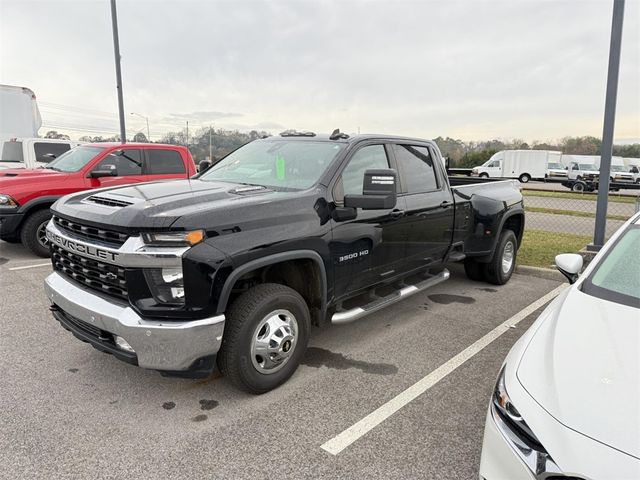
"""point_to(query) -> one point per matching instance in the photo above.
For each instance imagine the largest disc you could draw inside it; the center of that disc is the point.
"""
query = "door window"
(49, 148)
(126, 162)
(165, 162)
(416, 167)
(351, 180)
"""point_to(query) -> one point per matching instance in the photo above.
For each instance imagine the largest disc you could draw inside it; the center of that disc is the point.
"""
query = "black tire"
(494, 271)
(474, 270)
(484, 175)
(31, 234)
(578, 187)
(244, 317)
(524, 178)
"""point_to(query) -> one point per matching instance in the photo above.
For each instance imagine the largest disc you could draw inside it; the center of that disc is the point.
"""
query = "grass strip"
(573, 213)
(578, 196)
(539, 248)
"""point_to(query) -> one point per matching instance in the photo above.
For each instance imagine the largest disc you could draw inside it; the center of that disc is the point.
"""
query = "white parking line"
(338, 443)
(31, 266)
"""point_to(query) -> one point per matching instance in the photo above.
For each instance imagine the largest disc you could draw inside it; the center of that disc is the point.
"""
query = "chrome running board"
(347, 316)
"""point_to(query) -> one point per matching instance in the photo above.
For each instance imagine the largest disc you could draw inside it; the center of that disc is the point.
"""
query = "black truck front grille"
(86, 232)
(102, 277)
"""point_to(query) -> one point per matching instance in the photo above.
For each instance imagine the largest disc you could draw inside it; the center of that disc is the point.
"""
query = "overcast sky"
(466, 69)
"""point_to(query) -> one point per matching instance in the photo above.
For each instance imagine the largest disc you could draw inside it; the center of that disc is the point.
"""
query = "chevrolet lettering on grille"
(86, 250)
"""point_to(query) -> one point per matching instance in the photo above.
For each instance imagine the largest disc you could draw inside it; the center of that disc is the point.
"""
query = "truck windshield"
(588, 166)
(277, 164)
(616, 278)
(74, 159)
(618, 168)
(556, 166)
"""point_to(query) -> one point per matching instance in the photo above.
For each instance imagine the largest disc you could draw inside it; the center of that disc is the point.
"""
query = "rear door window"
(164, 162)
(416, 168)
(126, 162)
(45, 150)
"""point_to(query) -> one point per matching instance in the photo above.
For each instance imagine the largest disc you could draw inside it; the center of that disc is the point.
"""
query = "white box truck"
(20, 121)
(521, 164)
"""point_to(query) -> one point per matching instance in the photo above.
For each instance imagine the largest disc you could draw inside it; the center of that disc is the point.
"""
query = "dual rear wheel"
(501, 266)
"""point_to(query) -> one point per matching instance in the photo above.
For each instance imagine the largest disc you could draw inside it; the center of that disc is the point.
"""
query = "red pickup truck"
(27, 194)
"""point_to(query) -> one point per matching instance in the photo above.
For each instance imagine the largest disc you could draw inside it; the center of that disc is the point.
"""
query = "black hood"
(179, 204)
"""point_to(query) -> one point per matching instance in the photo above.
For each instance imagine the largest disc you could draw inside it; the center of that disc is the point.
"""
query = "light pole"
(609, 121)
(147, 119)
(116, 52)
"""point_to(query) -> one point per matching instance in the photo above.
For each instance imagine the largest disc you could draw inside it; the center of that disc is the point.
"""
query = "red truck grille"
(90, 233)
(102, 277)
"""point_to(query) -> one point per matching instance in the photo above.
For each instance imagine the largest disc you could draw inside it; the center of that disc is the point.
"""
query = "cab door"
(370, 246)
(127, 163)
(428, 203)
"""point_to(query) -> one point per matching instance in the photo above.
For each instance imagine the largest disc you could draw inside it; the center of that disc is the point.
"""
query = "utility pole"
(116, 51)
(609, 123)
(187, 133)
(210, 152)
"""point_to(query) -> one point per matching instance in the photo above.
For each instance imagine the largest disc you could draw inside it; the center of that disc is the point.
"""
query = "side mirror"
(104, 173)
(48, 157)
(378, 191)
(570, 265)
(203, 165)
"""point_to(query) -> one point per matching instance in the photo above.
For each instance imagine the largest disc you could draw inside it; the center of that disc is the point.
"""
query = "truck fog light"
(123, 344)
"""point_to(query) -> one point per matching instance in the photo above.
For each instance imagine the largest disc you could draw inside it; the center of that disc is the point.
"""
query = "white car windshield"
(557, 166)
(277, 164)
(618, 168)
(617, 277)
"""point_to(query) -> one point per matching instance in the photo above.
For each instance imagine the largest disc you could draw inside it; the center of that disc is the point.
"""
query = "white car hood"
(583, 367)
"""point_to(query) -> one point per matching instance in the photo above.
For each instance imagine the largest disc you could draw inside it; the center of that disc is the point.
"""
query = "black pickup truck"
(234, 265)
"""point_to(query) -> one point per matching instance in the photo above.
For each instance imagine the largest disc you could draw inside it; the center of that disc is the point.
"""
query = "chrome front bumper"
(159, 345)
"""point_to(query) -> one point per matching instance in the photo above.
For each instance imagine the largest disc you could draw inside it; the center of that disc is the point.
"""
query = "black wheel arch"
(268, 264)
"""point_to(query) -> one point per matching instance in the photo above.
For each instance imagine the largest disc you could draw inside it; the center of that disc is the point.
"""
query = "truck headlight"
(166, 285)
(166, 239)
(511, 416)
(7, 201)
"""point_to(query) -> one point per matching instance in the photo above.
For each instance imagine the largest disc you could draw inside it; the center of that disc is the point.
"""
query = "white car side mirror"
(570, 265)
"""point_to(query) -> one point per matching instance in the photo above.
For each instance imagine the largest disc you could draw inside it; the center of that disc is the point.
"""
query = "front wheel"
(484, 175)
(499, 270)
(265, 337)
(34, 233)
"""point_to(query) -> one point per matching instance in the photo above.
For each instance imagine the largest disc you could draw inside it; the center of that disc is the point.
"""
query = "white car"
(567, 401)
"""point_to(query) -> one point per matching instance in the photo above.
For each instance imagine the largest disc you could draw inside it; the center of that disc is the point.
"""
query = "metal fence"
(563, 221)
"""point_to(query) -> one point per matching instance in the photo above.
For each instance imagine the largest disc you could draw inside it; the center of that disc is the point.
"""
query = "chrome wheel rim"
(274, 341)
(41, 234)
(507, 257)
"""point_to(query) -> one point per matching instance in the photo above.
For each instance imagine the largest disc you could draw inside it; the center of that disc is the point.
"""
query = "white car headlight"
(511, 416)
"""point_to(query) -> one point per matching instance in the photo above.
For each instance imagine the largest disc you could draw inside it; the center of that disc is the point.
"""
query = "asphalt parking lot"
(69, 411)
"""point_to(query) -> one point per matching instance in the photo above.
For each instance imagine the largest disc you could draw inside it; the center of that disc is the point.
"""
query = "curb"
(546, 273)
